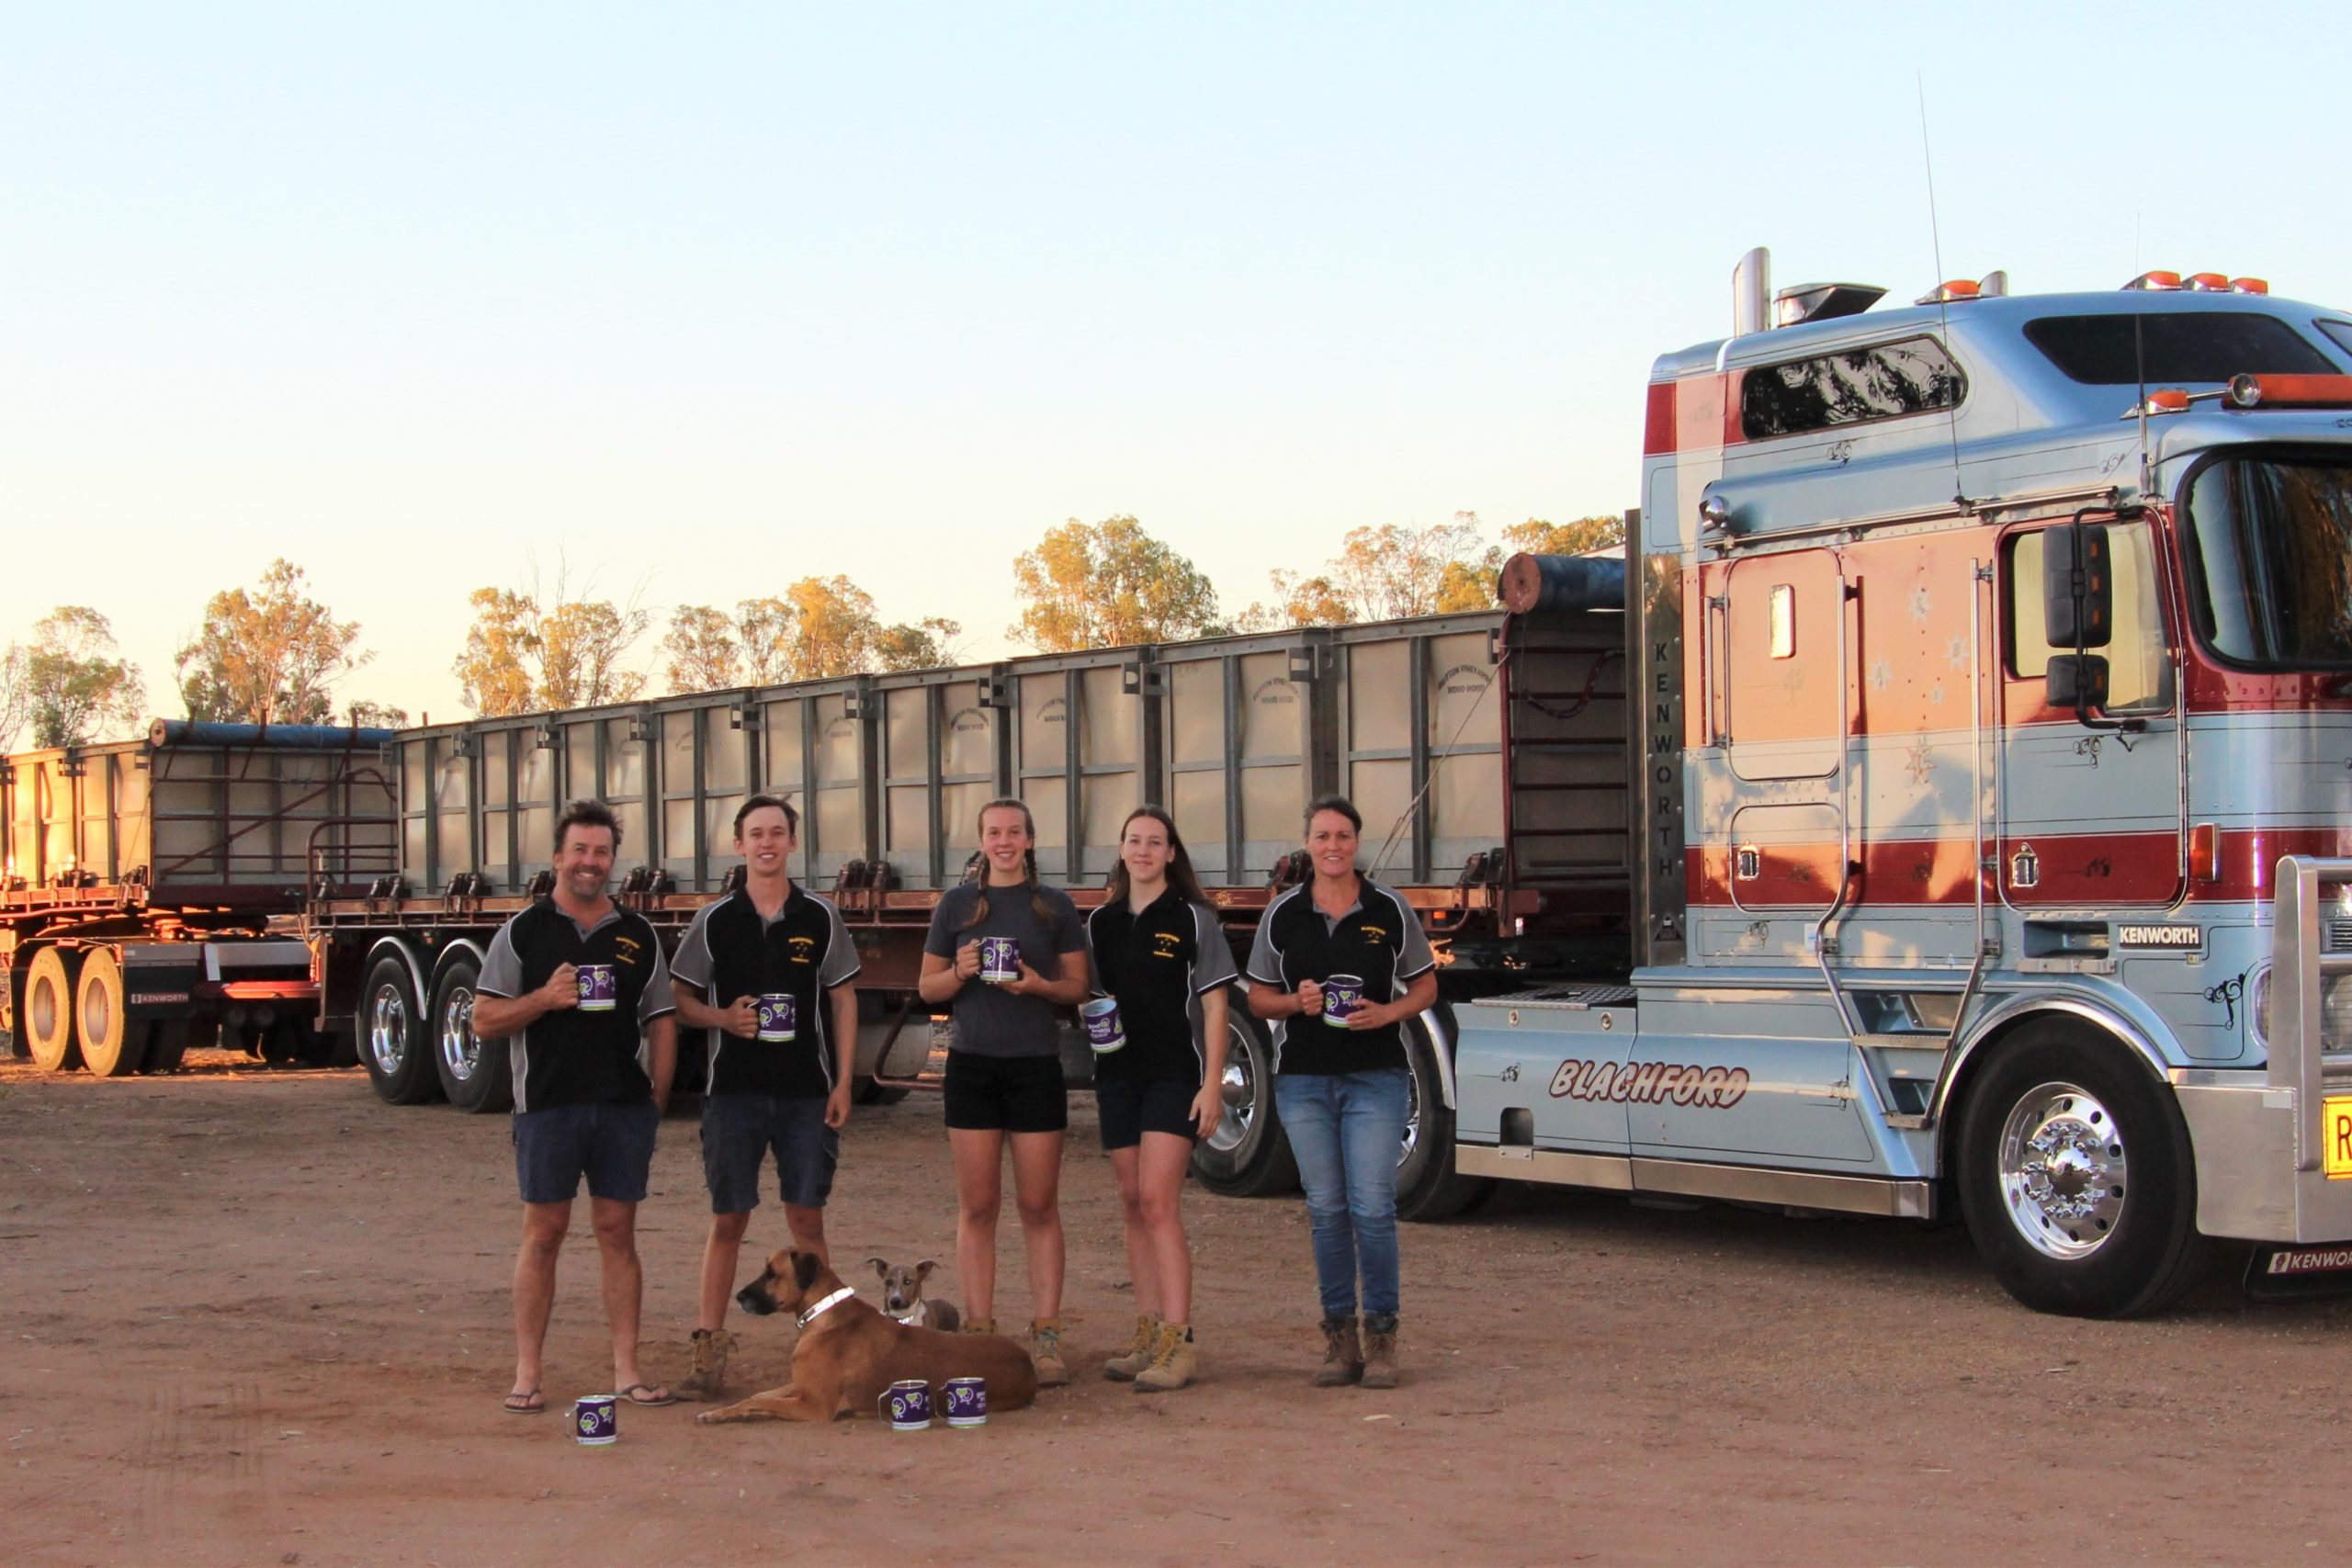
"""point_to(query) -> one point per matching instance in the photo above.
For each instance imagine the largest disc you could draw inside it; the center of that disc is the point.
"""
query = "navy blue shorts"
(737, 1131)
(1128, 1110)
(1007, 1094)
(610, 1143)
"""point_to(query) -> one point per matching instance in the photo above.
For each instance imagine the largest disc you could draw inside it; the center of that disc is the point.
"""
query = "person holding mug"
(1003, 952)
(1160, 956)
(1340, 963)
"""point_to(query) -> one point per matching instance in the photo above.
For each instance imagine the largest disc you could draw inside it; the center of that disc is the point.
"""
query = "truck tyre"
(2076, 1177)
(474, 1071)
(48, 1017)
(99, 1025)
(394, 1044)
(1428, 1187)
(1246, 1154)
(168, 1040)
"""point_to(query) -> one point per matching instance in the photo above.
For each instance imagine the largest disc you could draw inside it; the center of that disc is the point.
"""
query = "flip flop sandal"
(532, 1403)
(633, 1390)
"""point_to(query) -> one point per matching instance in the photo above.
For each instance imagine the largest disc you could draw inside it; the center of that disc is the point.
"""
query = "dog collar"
(814, 1313)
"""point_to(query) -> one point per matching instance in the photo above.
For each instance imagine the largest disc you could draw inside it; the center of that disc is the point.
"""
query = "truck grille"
(2335, 935)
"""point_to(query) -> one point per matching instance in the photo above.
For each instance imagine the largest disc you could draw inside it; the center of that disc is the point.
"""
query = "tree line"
(271, 654)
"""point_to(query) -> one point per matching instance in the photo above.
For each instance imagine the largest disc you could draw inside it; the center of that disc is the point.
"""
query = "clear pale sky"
(704, 299)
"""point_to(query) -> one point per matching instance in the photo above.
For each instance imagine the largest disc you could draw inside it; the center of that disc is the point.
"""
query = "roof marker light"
(1950, 292)
(2246, 391)
(1993, 286)
(2249, 285)
(2171, 400)
(2156, 281)
(2209, 282)
(2290, 391)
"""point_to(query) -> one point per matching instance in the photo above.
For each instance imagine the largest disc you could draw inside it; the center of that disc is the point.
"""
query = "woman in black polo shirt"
(1340, 1082)
(1160, 952)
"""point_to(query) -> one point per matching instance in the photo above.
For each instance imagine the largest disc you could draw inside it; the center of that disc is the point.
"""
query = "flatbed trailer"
(1488, 752)
(152, 889)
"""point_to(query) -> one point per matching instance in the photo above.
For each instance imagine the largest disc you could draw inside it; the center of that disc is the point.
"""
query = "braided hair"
(979, 872)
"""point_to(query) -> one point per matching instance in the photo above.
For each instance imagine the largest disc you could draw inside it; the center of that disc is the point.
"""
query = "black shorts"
(737, 1131)
(1008, 1094)
(611, 1144)
(1129, 1109)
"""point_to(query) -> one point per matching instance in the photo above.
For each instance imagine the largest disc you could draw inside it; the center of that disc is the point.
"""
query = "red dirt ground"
(256, 1316)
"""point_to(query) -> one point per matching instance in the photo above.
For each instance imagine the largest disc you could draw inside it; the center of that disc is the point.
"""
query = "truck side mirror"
(2077, 587)
(2078, 680)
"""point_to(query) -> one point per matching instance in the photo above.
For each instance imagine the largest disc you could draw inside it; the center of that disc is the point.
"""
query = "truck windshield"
(2269, 545)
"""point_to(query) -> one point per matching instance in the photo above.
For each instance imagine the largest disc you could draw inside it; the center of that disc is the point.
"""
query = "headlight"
(2335, 1011)
(2258, 1007)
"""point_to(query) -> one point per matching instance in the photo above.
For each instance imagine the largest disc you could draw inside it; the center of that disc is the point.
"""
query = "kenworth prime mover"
(1945, 808)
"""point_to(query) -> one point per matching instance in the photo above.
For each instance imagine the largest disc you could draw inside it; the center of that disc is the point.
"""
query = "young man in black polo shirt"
(579, 988)
(767, 953)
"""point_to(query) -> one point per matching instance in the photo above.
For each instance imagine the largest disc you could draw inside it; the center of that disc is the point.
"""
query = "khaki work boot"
(1174, 1362)
(711, 1348)
(1046, 1350)
(1140, 1353)
(1380, 1349)
(979, 1326)
(1342, 1361)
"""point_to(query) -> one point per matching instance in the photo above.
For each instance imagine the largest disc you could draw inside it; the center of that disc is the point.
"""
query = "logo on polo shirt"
(1375, 933)
(628, 949)
(1167, 944)
(801, 949)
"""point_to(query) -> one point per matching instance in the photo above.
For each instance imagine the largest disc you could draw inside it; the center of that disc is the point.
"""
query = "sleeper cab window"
(1852, 386)
(2139, 671)
(1785, 620)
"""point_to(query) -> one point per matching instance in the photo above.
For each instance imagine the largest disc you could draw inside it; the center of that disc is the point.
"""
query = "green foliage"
(1536, 537)
(269, 656)
(525, 653)
(820, 628)
(1108, 584)
(67, 683)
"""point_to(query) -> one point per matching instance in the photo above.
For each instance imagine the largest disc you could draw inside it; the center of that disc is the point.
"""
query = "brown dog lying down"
(849, 1353)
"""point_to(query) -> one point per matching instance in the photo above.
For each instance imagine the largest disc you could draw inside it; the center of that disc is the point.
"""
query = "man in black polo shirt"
(579, 988)
(765, 973)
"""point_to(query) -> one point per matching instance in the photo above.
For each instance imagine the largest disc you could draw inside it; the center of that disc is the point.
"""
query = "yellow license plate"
(2335, 1136)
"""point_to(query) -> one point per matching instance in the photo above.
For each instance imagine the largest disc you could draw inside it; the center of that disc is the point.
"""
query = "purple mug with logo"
(595, 1420)
(967, 1400)
(1343, 995)
(1104, 1029)
(1000, 959)
(599, 987)
(779, 1016)
(906, 1405)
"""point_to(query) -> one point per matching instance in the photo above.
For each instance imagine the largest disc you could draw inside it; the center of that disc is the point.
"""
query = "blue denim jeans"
(1346, 1130)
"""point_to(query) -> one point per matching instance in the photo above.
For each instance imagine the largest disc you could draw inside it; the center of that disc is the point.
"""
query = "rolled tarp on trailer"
(1561, 584)
(270, 737)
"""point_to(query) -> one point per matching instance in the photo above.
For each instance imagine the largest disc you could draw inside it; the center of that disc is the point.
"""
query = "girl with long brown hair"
(1160, 952)
(1003, 952)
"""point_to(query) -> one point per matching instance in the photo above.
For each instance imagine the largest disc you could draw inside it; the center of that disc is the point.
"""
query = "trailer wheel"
(1428, 1187)
(48, 1018)
(1246, 1154)
(395, 1046)
(2076, 1177)
(99, 1025)
(474, 1071)
(168, 1040)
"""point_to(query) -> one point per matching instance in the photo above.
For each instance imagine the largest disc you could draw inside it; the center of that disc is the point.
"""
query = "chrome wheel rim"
(460, 1051)
(387, 1027)
(1412, 1117)
(1239, 1087)
(2063, 1171)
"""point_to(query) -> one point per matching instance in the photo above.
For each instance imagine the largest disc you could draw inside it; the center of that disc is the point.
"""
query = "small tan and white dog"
(902, 1296)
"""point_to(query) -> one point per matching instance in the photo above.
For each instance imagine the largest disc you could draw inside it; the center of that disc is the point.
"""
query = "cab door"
(2091, 816)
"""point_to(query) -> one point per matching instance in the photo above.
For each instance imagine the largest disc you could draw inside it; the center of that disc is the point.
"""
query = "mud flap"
(2273, 1272)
